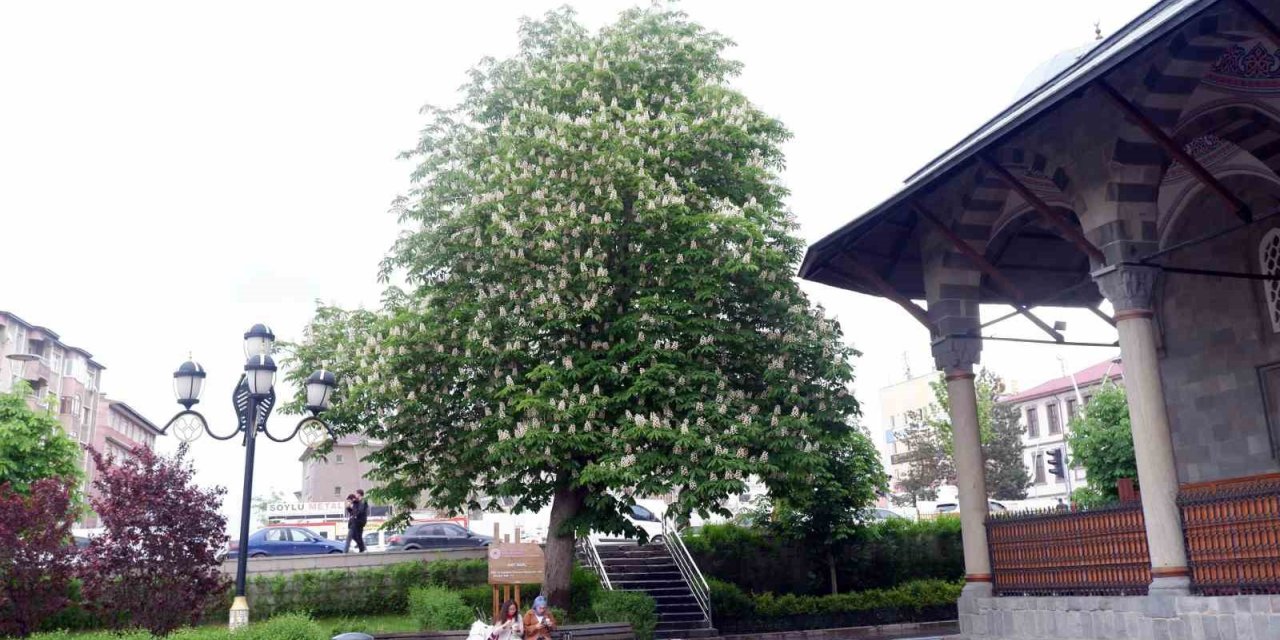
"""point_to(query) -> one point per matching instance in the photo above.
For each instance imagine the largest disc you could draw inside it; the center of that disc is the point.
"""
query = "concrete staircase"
(650, 569)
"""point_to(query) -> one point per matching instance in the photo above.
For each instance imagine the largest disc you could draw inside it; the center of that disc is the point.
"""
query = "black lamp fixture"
(253, 399)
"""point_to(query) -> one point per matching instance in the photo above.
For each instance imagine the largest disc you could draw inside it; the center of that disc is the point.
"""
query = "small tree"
(930, 466)
(832, 509)
(1007, 475)
(33, 444)
(154, 567)
(1001, 434)
(260, 503)
(35, 553)
(1101, 441)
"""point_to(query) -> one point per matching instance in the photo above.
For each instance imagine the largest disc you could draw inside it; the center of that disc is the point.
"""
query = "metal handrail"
(688, 568)
(593, 559)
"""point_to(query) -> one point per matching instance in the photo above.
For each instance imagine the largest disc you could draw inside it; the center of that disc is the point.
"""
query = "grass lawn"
(370, 624)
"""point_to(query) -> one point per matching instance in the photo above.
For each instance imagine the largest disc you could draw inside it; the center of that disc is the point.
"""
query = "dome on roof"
(1052, 67)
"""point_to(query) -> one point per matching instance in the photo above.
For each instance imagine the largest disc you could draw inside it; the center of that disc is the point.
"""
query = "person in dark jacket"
(357, 517)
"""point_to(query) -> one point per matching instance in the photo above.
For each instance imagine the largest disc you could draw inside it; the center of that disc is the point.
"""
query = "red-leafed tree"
(154, 566)
(35, 553)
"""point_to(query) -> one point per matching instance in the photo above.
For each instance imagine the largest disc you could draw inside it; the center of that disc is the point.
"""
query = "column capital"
(1129, 288)
(957, 354)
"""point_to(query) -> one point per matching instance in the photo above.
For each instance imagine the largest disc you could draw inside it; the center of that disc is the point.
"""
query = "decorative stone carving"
(957, 354)
(1129, 288)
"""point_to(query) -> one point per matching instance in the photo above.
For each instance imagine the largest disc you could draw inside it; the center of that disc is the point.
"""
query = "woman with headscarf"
(539, 622)
(507, 626)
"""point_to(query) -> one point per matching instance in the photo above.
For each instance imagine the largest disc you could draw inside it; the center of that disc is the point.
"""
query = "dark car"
(435, 535)
(285, 541)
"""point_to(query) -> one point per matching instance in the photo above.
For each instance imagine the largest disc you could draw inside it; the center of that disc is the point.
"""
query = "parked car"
(284, 541)
(375, 541)
(435, 535)
(951, 507)
(643, 519)
(879, 514)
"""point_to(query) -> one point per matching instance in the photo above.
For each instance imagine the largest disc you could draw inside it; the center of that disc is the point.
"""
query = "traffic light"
(1055, 463)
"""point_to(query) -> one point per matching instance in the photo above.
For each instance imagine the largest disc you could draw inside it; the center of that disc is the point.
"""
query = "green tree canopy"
(600, 301)
(33, 444)
(834, 508)
(1101, 441)
(929, 438)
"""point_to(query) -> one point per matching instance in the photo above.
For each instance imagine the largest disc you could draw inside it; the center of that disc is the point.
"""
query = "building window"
(1269, 261)
(1061, 479)
(1037, 462)
(1055, 424)
(1072, 410)
(337, 491)
(1087, 400)
(1033, 423)
(338, 458)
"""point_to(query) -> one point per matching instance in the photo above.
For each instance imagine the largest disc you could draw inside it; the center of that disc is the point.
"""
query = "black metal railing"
(1100, 551)
(1232, 534)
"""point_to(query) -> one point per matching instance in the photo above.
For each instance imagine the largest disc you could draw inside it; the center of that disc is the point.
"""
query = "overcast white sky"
(174, 172)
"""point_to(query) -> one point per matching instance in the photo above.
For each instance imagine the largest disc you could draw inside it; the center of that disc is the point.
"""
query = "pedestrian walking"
(356, 518)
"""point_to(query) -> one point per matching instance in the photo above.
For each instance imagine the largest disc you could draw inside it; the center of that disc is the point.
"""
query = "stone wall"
(1122, 618)
(347, 561)
(1214, 336)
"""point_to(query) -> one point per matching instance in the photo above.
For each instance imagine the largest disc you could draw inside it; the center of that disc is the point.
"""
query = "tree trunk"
(565, 504)
(831, 564)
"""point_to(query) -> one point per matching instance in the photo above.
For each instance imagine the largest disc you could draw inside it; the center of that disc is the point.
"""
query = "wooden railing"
(1095, 552)
(1232, 532)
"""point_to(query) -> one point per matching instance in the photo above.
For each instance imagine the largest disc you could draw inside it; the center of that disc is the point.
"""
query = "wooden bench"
(605, 631)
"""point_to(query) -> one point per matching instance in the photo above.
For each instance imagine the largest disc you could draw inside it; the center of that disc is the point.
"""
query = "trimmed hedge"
(640, 609)
(882, 555)
(915, 601)
(373, 591)
(284, 627)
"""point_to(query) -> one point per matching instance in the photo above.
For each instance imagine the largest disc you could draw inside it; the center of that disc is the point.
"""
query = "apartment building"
(66, 380)
(344, 470)
(897, 402)
(1047, 410)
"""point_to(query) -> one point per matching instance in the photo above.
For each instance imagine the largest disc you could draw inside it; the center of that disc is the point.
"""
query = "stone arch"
(998, 223)
(1253, 184)
(1172, 75)
(990, 203)
(1253, 127)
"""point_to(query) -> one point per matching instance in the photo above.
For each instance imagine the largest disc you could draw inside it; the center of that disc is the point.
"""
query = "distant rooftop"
(1111, 369)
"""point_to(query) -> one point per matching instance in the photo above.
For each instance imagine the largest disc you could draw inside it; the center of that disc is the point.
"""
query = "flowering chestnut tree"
(600, 301)
(154, 566)
(36, 551)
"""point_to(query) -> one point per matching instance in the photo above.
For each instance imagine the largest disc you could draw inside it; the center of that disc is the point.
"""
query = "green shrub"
(438, 609)
(627, 606)
(289, 626)
(480, 598)
(728, 602)
(200, 633)
(583, 587)
(74, 616)
(881, 555)
(92, 635)
(917, 600)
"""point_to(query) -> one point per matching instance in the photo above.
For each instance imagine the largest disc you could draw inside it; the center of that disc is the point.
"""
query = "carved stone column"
(955, 357)
(1131, 291)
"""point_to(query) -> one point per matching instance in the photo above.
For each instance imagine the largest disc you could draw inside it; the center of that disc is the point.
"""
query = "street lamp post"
(253, 398)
